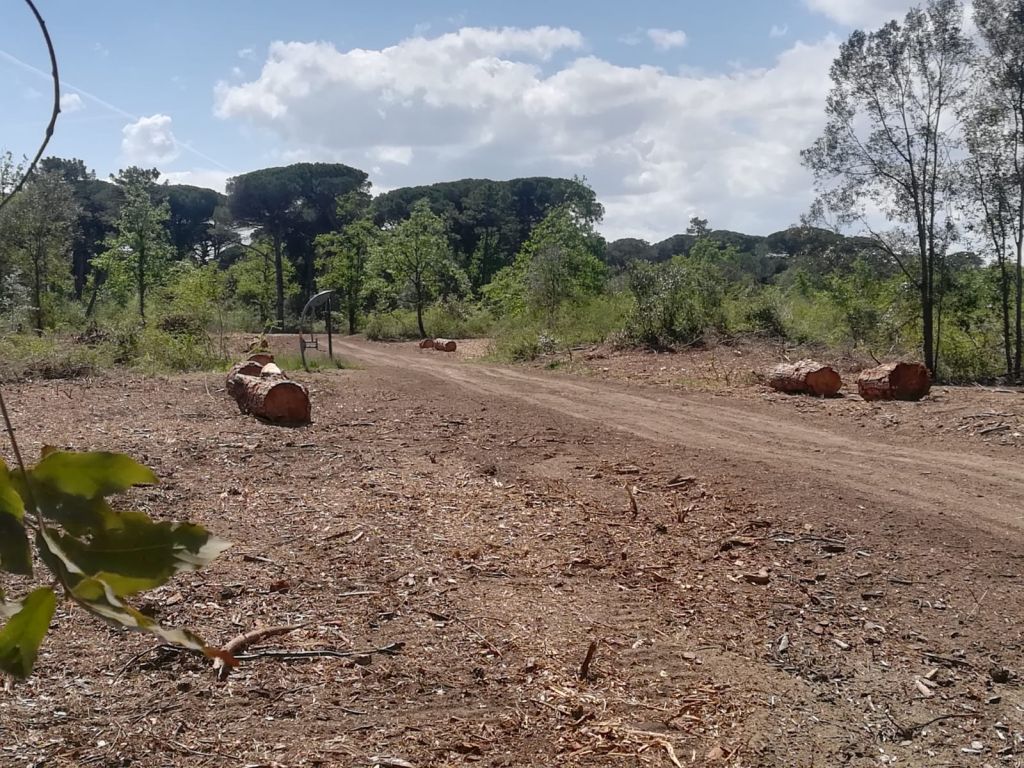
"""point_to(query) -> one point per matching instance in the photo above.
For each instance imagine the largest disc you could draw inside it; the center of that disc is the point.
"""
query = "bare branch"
(53, 114)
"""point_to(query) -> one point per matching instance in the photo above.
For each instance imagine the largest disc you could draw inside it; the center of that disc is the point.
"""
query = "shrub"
(397, 325)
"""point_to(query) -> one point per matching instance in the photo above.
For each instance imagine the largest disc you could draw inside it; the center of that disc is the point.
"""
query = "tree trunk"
(141, 277)
(351, 318)
(1004, 298)
(419, 319)
(279, 282)
(805, 377)
(895, 381)
(265, 392)
(38, 289)
(1019, 336)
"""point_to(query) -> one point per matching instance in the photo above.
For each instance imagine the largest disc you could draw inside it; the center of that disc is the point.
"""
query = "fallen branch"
(243, 641)
(387, 650)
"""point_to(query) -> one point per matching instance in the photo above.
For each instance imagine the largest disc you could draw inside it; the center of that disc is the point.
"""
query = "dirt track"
(970, 487)
(766, 582)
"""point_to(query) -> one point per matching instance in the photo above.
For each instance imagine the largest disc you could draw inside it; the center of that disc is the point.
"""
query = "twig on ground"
(387, 650)
(588, 660)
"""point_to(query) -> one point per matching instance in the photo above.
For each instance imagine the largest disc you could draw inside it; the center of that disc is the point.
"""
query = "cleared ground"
(766, 580)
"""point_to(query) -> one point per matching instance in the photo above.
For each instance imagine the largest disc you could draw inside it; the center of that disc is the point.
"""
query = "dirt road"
(761, 582)
(970, 487)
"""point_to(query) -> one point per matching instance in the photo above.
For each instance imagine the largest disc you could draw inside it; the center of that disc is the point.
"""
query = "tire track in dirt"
(969, 487)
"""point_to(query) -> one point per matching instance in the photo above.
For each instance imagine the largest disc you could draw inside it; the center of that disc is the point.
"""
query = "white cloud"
(200, 177)
(667, 39)
(247, 53)
(397, 155)
(778, 30)
(657, 146)
(71, 102)
(149, 140)
(862, 13)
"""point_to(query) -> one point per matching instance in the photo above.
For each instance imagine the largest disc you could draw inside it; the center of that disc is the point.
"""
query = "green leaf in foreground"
(23, 633)
(99, 598)
(15, 555)
(133, 553)
(90, 475)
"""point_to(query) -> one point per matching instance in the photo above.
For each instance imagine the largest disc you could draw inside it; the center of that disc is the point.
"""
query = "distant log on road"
(805, 377)
(895, 381)
(427, 344)
(264, 391)
(445, 345)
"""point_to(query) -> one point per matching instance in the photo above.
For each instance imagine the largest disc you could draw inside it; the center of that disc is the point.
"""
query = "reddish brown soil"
(768, 580)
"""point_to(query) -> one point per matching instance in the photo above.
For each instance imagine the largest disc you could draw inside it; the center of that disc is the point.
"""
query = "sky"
(669, 108)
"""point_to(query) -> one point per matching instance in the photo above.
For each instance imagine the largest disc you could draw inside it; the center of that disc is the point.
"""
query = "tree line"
(914, 244)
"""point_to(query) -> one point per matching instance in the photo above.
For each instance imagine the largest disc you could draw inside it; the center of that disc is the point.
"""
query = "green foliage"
(343, 259)
(676, 303)
(592, 320)
(138, 253)
(253, 281)
(99, 556)
(35, 235)
(558, 263)
(396, 325)
(414, 264)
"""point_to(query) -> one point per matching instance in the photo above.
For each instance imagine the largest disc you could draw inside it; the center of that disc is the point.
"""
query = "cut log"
(427, 344)
(895, 381)
(263, 358)
(246, 368)
(806, 377)
(445, 345)
(274, 398)
(271, 369)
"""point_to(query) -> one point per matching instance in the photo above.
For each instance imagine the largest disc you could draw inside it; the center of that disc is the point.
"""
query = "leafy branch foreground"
(99, 556)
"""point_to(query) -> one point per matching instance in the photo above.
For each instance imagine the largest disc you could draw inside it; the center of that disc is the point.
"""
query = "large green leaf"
(15, 555)
(99, 598)
(89, 475)
(23, 633)
(132, 553)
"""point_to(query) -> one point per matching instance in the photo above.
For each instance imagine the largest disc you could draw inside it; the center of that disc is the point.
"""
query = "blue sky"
(670, 109)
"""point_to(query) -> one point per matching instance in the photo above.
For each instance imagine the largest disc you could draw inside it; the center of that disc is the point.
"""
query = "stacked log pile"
(262, 389)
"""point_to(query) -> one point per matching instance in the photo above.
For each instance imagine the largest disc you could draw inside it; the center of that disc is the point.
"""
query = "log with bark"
(427, 344)
(267, 393)
(805, 377)
(895, 381)
(445, 345)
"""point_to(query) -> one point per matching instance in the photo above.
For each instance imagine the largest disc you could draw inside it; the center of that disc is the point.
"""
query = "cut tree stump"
(445, 345)
(427, 344)
(805, 377)
(895, 381)
(264, 391)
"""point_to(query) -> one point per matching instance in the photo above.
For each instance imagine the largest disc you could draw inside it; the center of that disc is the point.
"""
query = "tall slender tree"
(889, 142)
(994, 129)
(138, 251)
(416, 260)
(40, 224)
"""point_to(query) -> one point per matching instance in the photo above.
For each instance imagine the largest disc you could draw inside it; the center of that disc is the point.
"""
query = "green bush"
(676, 303)
(162, 352)
(397, 325)
(50, 357)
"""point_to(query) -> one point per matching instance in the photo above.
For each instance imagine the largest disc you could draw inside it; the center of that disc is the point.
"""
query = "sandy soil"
(764, 580)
